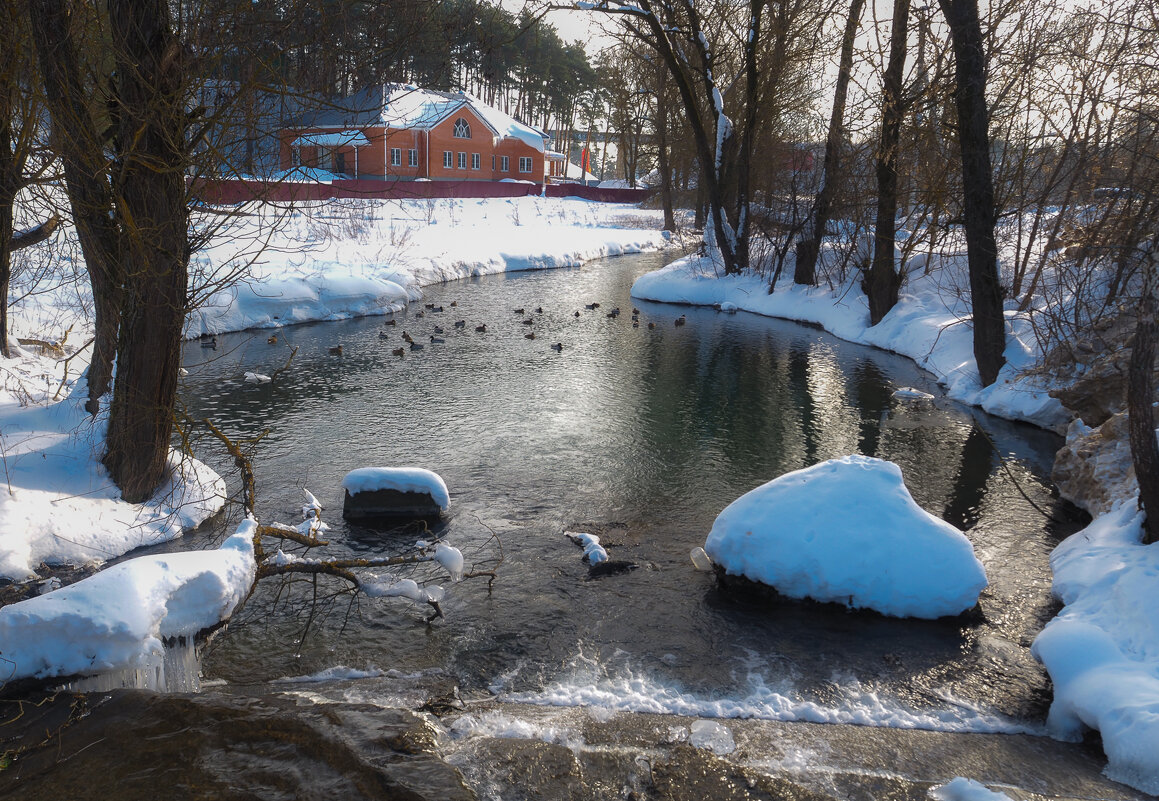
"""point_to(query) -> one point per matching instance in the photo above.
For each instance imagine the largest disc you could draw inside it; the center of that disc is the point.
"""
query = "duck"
(577, 314)
(454, 303)
(558, 346)
(528, 321)
(539, 310)
(391, 321)
(681, 320)
(420, 313)
(651, 325)
(406, 337)
(256, 378)
(415, 346)
(210, 343)
(273, 340)
(519, 311)
(430, 305)
(437, 309)
(635, 311)
(529, 335)
(482, 329)
(460, 323)
(438, 330)
(437, 340)
(397, 352)
(614, 312)
(336, 350)
(383, 335)
(592, 306)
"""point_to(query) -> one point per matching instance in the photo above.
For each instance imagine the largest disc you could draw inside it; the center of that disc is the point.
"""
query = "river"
(552, 682)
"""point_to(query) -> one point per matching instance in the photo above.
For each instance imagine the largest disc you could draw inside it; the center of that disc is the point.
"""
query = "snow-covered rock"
(848, 531)
(1094, 468)
(387, 495)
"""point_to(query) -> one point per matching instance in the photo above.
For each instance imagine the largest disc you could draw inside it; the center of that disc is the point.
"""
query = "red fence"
(229, 191)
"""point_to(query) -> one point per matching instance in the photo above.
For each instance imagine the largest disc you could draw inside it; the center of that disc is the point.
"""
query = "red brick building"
(406, 133)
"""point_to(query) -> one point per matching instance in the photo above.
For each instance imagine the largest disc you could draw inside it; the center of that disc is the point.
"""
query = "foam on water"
(589, 684)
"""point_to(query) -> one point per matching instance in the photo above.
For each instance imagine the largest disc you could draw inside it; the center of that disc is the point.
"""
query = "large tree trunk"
(151, 111)
(977, 186)
(882, 281)
(1140, 412)
(809, 245)
(56, 34)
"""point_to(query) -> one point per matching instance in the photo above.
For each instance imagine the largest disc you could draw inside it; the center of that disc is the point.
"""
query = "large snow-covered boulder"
(390, 493)
(848, 531)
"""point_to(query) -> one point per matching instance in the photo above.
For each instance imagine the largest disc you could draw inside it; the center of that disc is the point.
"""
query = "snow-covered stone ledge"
(120, 618)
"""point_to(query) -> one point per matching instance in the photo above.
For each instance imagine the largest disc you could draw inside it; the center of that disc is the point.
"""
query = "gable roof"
(404, 106)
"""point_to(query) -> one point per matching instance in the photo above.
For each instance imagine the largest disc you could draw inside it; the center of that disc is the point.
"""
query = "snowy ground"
(336, 260)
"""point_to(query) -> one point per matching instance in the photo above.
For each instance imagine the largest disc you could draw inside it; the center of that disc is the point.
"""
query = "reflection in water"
(643, 436)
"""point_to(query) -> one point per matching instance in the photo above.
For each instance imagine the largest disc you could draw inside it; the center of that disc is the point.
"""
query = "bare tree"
(882, 280)
(809, 245)
(977, 186)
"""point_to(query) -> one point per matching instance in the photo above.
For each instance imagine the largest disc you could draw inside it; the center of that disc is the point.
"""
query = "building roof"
(354, 138)
(404, 106)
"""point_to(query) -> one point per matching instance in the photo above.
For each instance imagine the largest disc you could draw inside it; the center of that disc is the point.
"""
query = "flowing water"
(641, 435)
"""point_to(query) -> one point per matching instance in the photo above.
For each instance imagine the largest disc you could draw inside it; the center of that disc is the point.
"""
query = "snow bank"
(59, 505)
(400, 479)
(1102, 650)
(117, 618)
(930, 324)
(847, 531)
(347, 258)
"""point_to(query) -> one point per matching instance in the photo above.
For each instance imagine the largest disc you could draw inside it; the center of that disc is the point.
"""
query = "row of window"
(412, 157)
(449, 161)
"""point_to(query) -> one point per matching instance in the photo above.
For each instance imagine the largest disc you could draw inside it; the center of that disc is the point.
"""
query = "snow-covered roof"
(353, 138)
(406, 106)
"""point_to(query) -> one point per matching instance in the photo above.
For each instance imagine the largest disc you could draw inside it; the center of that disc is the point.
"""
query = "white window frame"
(448, 159)
(525, 160)
(476, 162)
(412, 157)
(504, 164)
(396, 157)
(462, 160)
(462, 129)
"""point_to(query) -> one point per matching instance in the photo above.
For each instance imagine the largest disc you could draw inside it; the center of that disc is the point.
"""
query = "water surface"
(641, 435)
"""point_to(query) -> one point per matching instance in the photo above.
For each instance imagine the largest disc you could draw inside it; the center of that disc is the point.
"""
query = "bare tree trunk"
(56, 34)
(882, 281)
(809, 245)
(151, 111)
(1140, 412)
(977, 186)
(662, 153)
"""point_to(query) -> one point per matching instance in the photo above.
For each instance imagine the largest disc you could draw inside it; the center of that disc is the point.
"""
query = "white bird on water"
(256, 378)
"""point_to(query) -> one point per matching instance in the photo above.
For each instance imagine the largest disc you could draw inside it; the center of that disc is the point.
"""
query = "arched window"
(462, 129)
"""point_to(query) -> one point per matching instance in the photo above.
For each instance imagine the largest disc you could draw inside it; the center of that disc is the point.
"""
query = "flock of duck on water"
(209, 341)
(437, 338)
